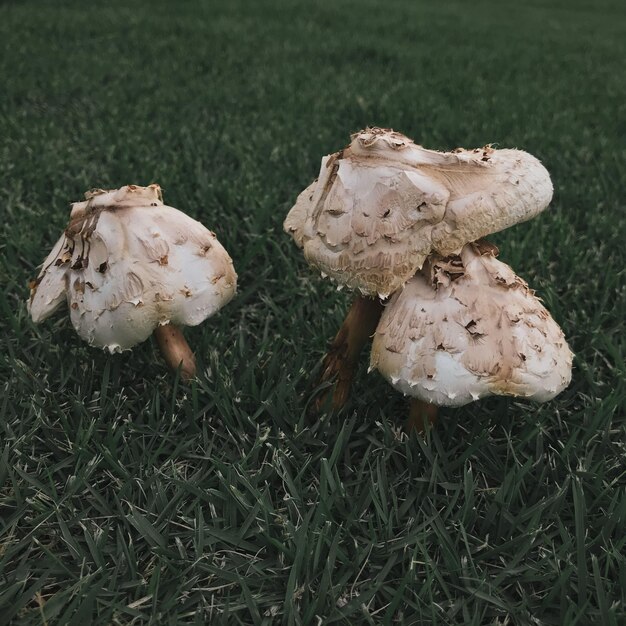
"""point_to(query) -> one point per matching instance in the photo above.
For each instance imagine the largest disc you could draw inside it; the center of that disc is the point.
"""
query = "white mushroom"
(466, 327)
(383, 204)
(128, 265)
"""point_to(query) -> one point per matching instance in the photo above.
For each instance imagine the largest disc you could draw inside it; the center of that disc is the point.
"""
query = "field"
(127, 497)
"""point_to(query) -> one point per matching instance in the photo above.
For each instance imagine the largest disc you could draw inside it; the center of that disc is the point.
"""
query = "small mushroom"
(466, 327)
(383, 204)
(128, 266)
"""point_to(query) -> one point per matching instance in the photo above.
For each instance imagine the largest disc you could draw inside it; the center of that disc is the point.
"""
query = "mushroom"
(466, 327)
(128, 266)
(383, 204)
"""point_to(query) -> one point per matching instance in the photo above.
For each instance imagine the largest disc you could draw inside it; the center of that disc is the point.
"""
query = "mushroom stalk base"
(420, 413)
(175, 350)
(341, 361)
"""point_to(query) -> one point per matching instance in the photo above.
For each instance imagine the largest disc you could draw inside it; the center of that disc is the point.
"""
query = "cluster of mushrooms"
(400, 225)
(403, 227)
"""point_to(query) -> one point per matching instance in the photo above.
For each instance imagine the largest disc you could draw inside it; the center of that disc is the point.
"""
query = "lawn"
(127, 497)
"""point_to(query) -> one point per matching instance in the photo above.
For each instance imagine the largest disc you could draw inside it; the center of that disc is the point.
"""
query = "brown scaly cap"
(383, 204)
(465, 327)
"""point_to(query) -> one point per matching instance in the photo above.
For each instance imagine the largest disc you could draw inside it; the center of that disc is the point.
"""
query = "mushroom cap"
(466, 327)
(383, 204)
(127, 263)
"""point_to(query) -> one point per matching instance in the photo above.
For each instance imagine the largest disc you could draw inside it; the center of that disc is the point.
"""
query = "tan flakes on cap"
(127, 263)
(383, 204)
(466, 327)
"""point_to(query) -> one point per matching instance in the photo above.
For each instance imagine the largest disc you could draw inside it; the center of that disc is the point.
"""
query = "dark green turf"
(126, 498)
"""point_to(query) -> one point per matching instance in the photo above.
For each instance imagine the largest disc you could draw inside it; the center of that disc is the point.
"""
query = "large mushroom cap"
(466, 327)
(127, 263)
(383, 204)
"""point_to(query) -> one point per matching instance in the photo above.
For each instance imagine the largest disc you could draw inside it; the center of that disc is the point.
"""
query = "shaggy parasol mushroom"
(128, 266)
(466, 327)
(383, 204)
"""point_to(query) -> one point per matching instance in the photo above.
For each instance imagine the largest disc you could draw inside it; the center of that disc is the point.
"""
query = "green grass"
(129, 498)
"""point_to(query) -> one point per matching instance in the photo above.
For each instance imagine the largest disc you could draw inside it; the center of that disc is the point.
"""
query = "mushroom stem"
(420, 413)
(175, 350)
(342, 358)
